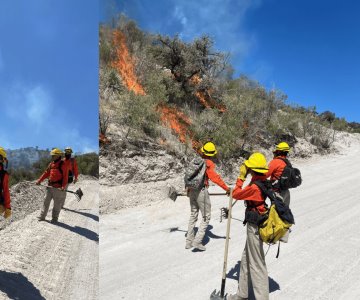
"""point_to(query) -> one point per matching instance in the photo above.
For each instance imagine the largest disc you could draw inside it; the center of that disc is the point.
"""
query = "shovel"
(173, 193)
(78, 193)
(220, 294)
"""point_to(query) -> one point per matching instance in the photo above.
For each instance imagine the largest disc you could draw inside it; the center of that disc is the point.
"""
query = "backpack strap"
(285, 160)
(267, 191)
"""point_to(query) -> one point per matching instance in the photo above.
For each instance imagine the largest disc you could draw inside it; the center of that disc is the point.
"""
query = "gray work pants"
(199, 200)
(58, 196)
(253, 266)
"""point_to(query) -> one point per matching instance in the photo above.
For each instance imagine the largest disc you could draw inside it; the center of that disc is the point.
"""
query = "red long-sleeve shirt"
(250, 193)
(5, 192)
(276, 168)
(57, 178)
(72, 166)
(211, 174)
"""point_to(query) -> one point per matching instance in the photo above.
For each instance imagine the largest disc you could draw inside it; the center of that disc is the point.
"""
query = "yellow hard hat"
(209, 149)
(68, 150)
(2, 152)
(257, 163)
(282, 147)
(56, 151)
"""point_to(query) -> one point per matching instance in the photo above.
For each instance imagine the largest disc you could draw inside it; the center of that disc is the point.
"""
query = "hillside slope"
(142, 253)
(40, 260)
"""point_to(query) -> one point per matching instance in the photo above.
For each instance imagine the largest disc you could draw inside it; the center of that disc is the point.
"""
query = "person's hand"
(75, 180)
(7, 213)
(37, 182)
(2, 209)
(243, 172)
(228, 192)
(62, 188)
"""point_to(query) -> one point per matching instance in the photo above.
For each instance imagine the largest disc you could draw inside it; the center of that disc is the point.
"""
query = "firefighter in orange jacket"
(57, 174)
(200, 200)
(5, 207)
(276, 168)
(72, 166)
(253, 265)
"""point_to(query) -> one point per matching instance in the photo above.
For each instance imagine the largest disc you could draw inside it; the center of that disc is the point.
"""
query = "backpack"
(290, 177)
(2, 174)
(279, 216)
(71, 174)
(195, 174)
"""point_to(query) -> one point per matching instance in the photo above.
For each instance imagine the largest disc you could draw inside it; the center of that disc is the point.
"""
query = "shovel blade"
(216, 296)
(79, 193)
(172, 193)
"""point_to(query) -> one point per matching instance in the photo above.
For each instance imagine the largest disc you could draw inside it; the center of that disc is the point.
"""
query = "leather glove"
(2, 209)
(228, 192)
(7, 213)
(37, 183)
(243, 172)
(75, 180)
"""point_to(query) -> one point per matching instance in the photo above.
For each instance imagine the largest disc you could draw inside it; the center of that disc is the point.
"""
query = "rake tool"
(173, 193)
(220, 294)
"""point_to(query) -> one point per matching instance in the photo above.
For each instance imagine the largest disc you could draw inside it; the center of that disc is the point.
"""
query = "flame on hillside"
(204, 96)
(124, 64)
(178, 122)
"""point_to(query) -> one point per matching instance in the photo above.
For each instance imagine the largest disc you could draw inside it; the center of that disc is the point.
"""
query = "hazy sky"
(49, 74)
(308, 49)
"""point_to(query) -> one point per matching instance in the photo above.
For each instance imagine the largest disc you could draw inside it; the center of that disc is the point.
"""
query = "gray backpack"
(195, 174)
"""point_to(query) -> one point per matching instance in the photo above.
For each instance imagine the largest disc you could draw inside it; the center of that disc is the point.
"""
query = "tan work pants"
(253, 266)
(199, 200)
(58, 196)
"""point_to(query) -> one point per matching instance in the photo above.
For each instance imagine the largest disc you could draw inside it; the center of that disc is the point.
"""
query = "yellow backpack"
(279, 217)
(274, 228)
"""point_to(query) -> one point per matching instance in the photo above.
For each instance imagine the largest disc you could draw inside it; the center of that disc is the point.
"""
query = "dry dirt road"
(142, 253)
(40, 260)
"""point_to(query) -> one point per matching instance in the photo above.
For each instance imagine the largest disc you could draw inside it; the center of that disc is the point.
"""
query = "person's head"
(281, 149)
(208, 150)
(257, 164)
(68, 152)
(56, 154)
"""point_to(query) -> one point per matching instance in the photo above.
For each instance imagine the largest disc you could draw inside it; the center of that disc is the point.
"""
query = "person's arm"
(6, 191)
(214, 176)
(65, 172)
(247, 193)
(45, 175)
(76, 170)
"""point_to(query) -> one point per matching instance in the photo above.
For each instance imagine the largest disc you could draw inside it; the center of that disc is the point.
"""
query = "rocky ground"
(139, 173)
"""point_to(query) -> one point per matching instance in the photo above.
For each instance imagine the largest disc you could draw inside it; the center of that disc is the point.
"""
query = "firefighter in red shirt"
(276, 168)
(5, 207)
(253, 265)
(72, 167)
(200, 200)
(57, 174)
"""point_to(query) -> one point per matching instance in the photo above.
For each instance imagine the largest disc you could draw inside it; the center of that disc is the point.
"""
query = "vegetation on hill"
(158, 87)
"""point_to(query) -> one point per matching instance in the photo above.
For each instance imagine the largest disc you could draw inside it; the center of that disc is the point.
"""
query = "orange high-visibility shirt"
(276, 168)
(211, 174)
(72, 166)
(57, 178)
(250, 193)
(5, 192)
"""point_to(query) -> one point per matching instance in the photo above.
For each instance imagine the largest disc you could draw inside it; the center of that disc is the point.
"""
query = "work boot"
(54, 221)
(40, 219)
(198, 246)
(235, 297)
(188, 245)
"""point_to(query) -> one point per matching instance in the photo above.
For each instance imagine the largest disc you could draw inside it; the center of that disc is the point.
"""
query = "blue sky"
(308, 49)
(49, 74)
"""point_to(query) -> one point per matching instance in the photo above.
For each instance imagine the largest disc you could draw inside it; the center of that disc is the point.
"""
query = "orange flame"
(178, 122)
(124, 64)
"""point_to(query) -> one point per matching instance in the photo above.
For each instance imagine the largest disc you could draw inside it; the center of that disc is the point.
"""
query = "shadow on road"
(234, 273)
(91, 216)
(17, 286)
(91, 235)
